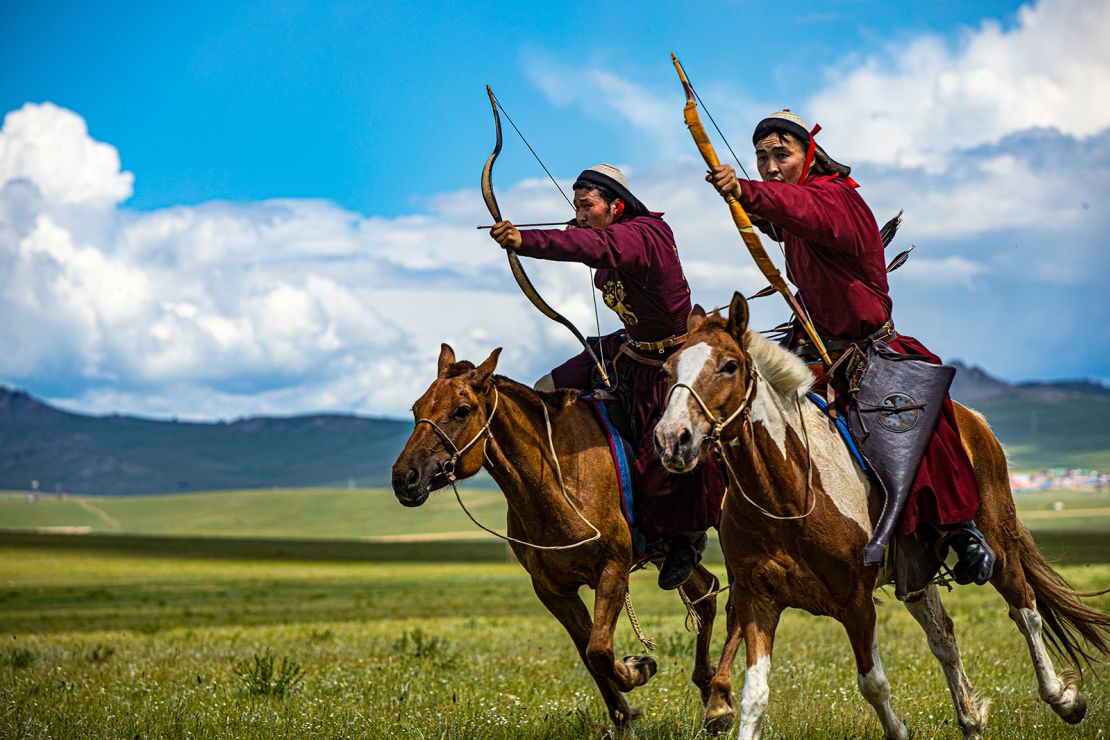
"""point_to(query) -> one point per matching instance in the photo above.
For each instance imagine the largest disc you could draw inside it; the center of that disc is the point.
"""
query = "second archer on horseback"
(834, 254)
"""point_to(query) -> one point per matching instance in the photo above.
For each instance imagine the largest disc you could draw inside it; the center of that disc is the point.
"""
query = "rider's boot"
(975, 558)
(683, 554)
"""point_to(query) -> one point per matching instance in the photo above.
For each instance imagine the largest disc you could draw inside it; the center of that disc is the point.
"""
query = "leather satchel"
(896, 402)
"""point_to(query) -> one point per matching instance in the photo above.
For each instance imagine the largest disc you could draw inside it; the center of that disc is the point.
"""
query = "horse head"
(712, 381)
(452, 424)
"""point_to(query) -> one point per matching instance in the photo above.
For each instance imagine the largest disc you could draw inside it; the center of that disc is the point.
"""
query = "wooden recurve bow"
(740, 217)
(514, 260)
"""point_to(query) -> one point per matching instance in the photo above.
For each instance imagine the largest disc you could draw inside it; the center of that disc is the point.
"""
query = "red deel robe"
(639, 273)
(835, 256)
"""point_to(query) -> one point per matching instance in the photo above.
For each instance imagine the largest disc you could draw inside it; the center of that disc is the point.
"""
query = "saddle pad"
(842, 427)
(622, 455)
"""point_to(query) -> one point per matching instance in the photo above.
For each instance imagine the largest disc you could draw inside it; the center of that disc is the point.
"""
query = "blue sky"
(214, 210)
(374, 105)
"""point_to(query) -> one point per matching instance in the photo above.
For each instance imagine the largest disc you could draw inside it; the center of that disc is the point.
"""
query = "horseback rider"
(834, 255)
(640, 277)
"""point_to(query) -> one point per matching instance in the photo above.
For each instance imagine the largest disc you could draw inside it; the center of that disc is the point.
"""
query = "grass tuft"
(262, 679)
(19, 657)
(419, 645)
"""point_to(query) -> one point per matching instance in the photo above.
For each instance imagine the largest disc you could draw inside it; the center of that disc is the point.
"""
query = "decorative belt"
(884, 333)
(661, 346)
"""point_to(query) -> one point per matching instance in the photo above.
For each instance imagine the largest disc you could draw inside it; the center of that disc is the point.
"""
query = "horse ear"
(697, 318)
(738, 316)
(446, 359)
(483, 371)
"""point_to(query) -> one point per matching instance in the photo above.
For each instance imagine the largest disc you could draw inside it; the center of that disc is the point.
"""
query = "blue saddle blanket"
(842, 427)
(622, 460)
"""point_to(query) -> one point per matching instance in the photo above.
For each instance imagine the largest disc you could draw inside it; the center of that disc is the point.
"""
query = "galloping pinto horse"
(799, 511)
(549, 456)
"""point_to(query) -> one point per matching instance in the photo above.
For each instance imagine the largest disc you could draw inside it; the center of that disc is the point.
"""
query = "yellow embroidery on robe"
(614, 295)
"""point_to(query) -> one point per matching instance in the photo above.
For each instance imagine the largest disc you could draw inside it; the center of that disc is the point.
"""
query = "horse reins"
(448, 470)
(718, 423)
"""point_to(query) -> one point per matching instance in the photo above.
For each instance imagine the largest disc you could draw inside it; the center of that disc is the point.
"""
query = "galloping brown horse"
(549, 456)
(799, 511)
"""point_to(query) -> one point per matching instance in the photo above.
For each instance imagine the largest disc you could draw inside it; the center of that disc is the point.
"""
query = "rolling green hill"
(125, 455)
(1041, 424)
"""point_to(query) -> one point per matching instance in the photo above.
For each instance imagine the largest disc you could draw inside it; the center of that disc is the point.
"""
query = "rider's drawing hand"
(505, 234)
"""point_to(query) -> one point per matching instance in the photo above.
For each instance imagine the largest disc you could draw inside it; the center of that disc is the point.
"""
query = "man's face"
(590, 209)
(780, 158)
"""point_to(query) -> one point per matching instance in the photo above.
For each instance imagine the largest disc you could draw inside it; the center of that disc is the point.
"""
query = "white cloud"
(279, 306)
(50, 146)
(915, 104)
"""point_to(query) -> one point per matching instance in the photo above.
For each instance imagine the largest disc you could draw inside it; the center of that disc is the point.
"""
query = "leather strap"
(628, 351)
(884, 333)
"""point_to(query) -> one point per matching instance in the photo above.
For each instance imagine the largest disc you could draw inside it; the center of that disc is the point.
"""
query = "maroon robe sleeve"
(821, 213)
(627, 247)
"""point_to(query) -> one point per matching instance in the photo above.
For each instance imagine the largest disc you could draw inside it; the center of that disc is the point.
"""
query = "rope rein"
(448, 470)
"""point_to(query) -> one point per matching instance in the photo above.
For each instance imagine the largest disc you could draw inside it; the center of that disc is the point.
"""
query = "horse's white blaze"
(753, 699)
(876, 690)
(690, 364)
(1052, 690)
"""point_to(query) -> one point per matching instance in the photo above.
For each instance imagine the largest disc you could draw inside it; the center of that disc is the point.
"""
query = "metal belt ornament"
(514, 260)
(740, 217)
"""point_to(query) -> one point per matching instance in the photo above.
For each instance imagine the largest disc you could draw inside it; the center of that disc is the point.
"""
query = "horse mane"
(783, 369)
(557, 399)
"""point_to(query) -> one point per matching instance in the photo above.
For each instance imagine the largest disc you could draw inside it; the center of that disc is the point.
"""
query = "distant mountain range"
(126, 455)
(1060, 424)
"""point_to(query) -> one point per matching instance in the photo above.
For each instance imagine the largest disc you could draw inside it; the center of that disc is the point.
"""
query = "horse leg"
(1059, 692)
(930, 613)
(609, 598)
(871, 679)
(700, 583)
(1021, 574)
(719, 710)
(572, 613)
(759, 619)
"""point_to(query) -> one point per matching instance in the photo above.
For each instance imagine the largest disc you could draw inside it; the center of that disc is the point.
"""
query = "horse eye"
(461, 412)
(729, 367)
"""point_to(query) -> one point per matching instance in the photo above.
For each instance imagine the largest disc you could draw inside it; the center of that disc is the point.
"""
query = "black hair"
(606, 194)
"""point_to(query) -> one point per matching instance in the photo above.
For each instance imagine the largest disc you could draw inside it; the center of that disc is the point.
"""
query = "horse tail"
(1068, 620)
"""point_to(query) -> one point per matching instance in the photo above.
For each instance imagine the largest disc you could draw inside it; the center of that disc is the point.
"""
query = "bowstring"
(593, 292)
(774, 229)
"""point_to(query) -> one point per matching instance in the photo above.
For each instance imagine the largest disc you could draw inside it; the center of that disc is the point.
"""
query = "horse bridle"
(718, 423)
(448, 468)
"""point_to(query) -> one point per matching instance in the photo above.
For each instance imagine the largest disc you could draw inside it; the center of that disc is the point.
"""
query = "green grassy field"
(111, 644)
(366, 514)
(138, 628)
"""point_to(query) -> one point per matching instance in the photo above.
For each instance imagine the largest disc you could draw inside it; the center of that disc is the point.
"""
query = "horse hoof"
(1073, 706)
(719, 723)
(642, 666)
(623, 722)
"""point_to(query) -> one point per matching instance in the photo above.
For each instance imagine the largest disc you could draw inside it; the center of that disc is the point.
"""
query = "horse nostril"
(685, 437)
(411, 477)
